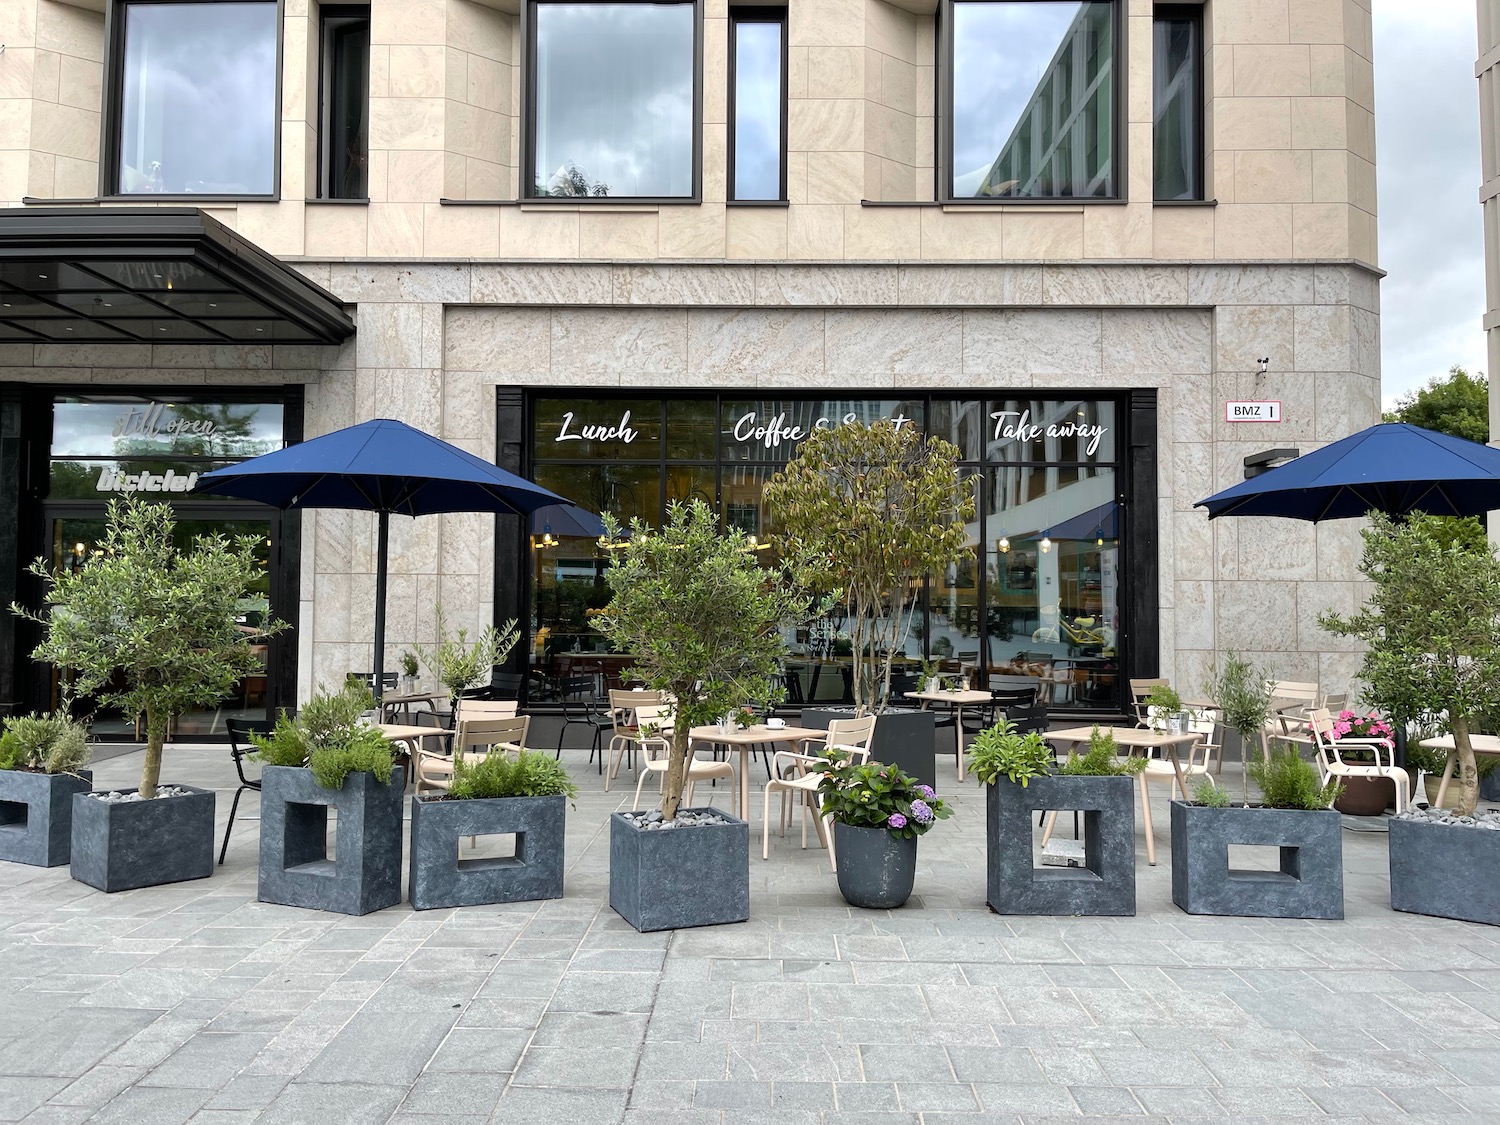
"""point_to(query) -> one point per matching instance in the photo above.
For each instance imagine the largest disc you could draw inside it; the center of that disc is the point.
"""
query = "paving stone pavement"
(194, 1003)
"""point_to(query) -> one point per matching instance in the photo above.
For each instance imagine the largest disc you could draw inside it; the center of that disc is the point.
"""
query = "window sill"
(1184, 203)
(337, 202)
(757, 203)
(1012, 208)
(206, 200)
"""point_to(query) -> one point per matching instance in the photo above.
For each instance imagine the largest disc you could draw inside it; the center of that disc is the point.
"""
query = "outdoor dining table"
(957, 700)
(1132, 739)
(743, 740)
(1481, 744)
(410, 736)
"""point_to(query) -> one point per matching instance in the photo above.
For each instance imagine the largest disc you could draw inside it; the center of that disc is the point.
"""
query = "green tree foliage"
(1243, 693)
(873, 510)
(459, 663)
(147, 627)
(1102, 759)
(1432, 627)
(702, 620)
(1458, 405)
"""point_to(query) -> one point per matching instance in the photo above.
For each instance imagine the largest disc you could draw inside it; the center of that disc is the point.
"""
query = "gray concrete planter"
(679, 877)
(904, 737)
(365, 872)
(1104, 885)
(1445, 870)
(441, 877)
(1310, 883)
(122, 845)
(36, 815)
(876, 870)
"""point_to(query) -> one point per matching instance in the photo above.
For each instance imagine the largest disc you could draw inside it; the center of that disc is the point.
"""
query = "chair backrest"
(483, 733)
(1015, 697)
(388, 680)
(1139, 690)
(1333, 704)
(851, 734)
(486, 709)
(793, 683)
(1029, 719)
(506, 685)
(1302, 691)
(240, 731)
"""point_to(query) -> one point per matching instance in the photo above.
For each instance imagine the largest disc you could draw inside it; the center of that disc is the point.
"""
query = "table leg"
(1146, 819)
(958, 737)
(744, 781)
(1447, 777)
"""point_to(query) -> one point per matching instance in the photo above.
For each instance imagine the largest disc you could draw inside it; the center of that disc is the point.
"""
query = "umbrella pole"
(381, 543)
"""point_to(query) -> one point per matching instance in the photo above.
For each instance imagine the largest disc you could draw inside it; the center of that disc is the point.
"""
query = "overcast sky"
(1427, 164)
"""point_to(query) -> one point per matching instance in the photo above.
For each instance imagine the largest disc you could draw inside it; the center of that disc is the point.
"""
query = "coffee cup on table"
(776, 724)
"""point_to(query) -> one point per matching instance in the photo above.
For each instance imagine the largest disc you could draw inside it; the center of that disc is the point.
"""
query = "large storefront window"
(1040, 597)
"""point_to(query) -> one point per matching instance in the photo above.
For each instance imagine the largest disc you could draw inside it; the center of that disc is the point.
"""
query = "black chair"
(240, 731)
(1029, 718)
(506, 685)
(793, 681)
(389, 681)
(576, 694)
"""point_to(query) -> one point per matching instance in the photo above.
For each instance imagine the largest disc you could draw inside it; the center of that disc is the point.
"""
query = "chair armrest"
(1375, 745)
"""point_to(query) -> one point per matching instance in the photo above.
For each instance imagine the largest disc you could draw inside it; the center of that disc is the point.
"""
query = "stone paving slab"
(196, 1004)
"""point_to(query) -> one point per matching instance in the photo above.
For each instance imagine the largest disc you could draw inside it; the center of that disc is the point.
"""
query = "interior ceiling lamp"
(1046, 544)
(1002, 544)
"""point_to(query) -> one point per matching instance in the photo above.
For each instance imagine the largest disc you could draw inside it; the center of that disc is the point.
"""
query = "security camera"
(1265, 365)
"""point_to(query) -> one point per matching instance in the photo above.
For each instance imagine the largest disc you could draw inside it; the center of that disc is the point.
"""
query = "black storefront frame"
(1135, 478)
(26, 414)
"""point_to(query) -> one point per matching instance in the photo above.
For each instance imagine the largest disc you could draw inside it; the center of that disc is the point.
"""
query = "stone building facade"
(485, 294)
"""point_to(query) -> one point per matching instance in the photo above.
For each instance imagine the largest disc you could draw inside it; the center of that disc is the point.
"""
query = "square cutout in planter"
(36, 815)
(1209, 846)
(1103, 885)
(520, 858)
(493, 850)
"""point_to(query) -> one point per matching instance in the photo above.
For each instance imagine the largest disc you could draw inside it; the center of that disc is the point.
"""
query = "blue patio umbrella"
(562, 520)
(379, 466)
(1393, 468)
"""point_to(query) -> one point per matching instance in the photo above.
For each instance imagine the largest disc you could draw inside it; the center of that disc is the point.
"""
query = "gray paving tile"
(905, 1064)
(937, 1097)
(19, 1095)
(449, 1095)
(471, 1050)
(146, 1105)
(74, 1040)
(98, 1086)
(576, 1066)
(346, 1102)
(380, 1048)
(524, 1106)
(207, 1061)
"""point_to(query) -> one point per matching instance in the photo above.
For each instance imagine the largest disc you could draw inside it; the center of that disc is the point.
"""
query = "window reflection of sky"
(242, 429)
(615, 97)
(757, 111)
(1001, 53)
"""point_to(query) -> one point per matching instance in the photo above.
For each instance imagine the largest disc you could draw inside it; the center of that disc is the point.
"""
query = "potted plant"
(1432, 627)
(704, 621)
(458, 663)
(41, 768)
(1362, 796)
(878, 813)
(872, 510)
(1243, 694)
(1164, 706)
(1017, 772)
(329, 758)
(410, 667)
(153, 630)
(524, 794)
(1293, 815)
(932, 679)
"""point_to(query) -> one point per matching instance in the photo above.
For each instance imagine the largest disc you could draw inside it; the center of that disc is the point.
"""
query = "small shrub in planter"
(1294, 816)
(523, 794)
(878, 813)
(348, 768)
(41, 768)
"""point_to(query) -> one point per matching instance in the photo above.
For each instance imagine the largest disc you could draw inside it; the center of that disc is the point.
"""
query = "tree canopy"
(1458, 405)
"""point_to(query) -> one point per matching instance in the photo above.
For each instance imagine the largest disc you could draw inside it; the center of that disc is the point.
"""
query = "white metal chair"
(1139, 690)
(474, 738)
(800, 774)
(656, 757)
(622, 711)
(1199, 756)
(1331, 761)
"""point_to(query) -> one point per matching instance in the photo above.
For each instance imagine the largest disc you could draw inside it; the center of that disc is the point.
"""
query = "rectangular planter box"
(1445, 870)
(1104, 885)
(122, 845)
(904, 737)
(439, 828)
(365, 873)
(670, 879)
(1310, 883)
(36, 815)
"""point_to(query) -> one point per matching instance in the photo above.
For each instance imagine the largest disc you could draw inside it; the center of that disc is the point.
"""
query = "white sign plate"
(1252, 411)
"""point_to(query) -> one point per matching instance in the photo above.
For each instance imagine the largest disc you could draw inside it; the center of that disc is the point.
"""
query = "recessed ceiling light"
(108, 305)
(260, 329)
(70, 328)
(212, 305)
(42, 276)
(161, 329)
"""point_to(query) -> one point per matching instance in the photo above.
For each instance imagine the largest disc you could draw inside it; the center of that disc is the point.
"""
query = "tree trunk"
(156, 736)
(1468, 771)
(671, 795)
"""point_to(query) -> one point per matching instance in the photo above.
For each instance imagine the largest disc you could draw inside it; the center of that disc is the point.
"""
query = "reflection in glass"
(952, 628)
(614, 100)
(135, 427)
(346, 77)
(198, 99)
(1033, 99)
(757, 109)
(1176, 65)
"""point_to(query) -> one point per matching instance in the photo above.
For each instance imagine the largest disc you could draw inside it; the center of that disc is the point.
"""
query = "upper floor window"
(757, 103)
(1177, 101)
(614, 100)
(195, 98)
(1031, 99)
(343, 126)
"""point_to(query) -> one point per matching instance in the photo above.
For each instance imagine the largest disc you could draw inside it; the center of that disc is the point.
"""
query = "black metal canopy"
(74, 275)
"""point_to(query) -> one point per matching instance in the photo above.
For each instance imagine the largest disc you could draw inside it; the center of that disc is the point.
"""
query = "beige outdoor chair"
(474, 738)
(622, 711)
(799, 774)
(1331, 761)
(486, 709)
(1139, 690)
(656, 757)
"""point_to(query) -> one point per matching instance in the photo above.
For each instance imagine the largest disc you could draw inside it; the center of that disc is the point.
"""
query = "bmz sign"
(1252, 412)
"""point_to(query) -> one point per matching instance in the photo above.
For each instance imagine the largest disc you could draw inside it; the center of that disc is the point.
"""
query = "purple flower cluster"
(921, 812)
(925, 792)
(897, 820)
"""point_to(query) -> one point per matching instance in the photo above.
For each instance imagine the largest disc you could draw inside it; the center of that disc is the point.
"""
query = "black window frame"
(943, 132)
(1193, 13)
(328, 16)
(528, 115)
(758, 14)
(112, 117)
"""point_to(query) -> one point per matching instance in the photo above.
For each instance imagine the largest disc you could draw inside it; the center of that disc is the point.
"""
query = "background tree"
(1458, 405)
(874, 509)
(148, 627)
(702, 619)
(1433, 630)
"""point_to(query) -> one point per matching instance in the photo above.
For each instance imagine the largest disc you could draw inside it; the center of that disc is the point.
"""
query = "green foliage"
(410, 665)
(55, 743)
(999, 750)
(1211, 794)
(871, 510)
(875, 795)
(148, 628)
(1458, 405)
(1243, 693)
(1102, 759)
(1287, 781)
(702, 618)
(459, 663)
(1165, 697)
(1432, 627)
(329, 738)
(530, 773)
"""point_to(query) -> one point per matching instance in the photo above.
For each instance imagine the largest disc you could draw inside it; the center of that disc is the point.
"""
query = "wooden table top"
(968, 695)
(751, 735)
(1124, 736)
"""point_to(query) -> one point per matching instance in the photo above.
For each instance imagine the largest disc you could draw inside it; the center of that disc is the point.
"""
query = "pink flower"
(1346, 714)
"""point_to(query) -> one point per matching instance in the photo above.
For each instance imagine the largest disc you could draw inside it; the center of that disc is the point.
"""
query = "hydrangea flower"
(921, 811)
(925, 792)
(896, 821)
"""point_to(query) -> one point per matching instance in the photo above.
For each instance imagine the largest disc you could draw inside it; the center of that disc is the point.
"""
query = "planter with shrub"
(41, 768)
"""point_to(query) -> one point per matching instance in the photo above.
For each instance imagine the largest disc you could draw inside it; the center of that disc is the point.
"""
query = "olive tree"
(148, 627)
(702, 620)
(874, 509)
(1432, 625)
